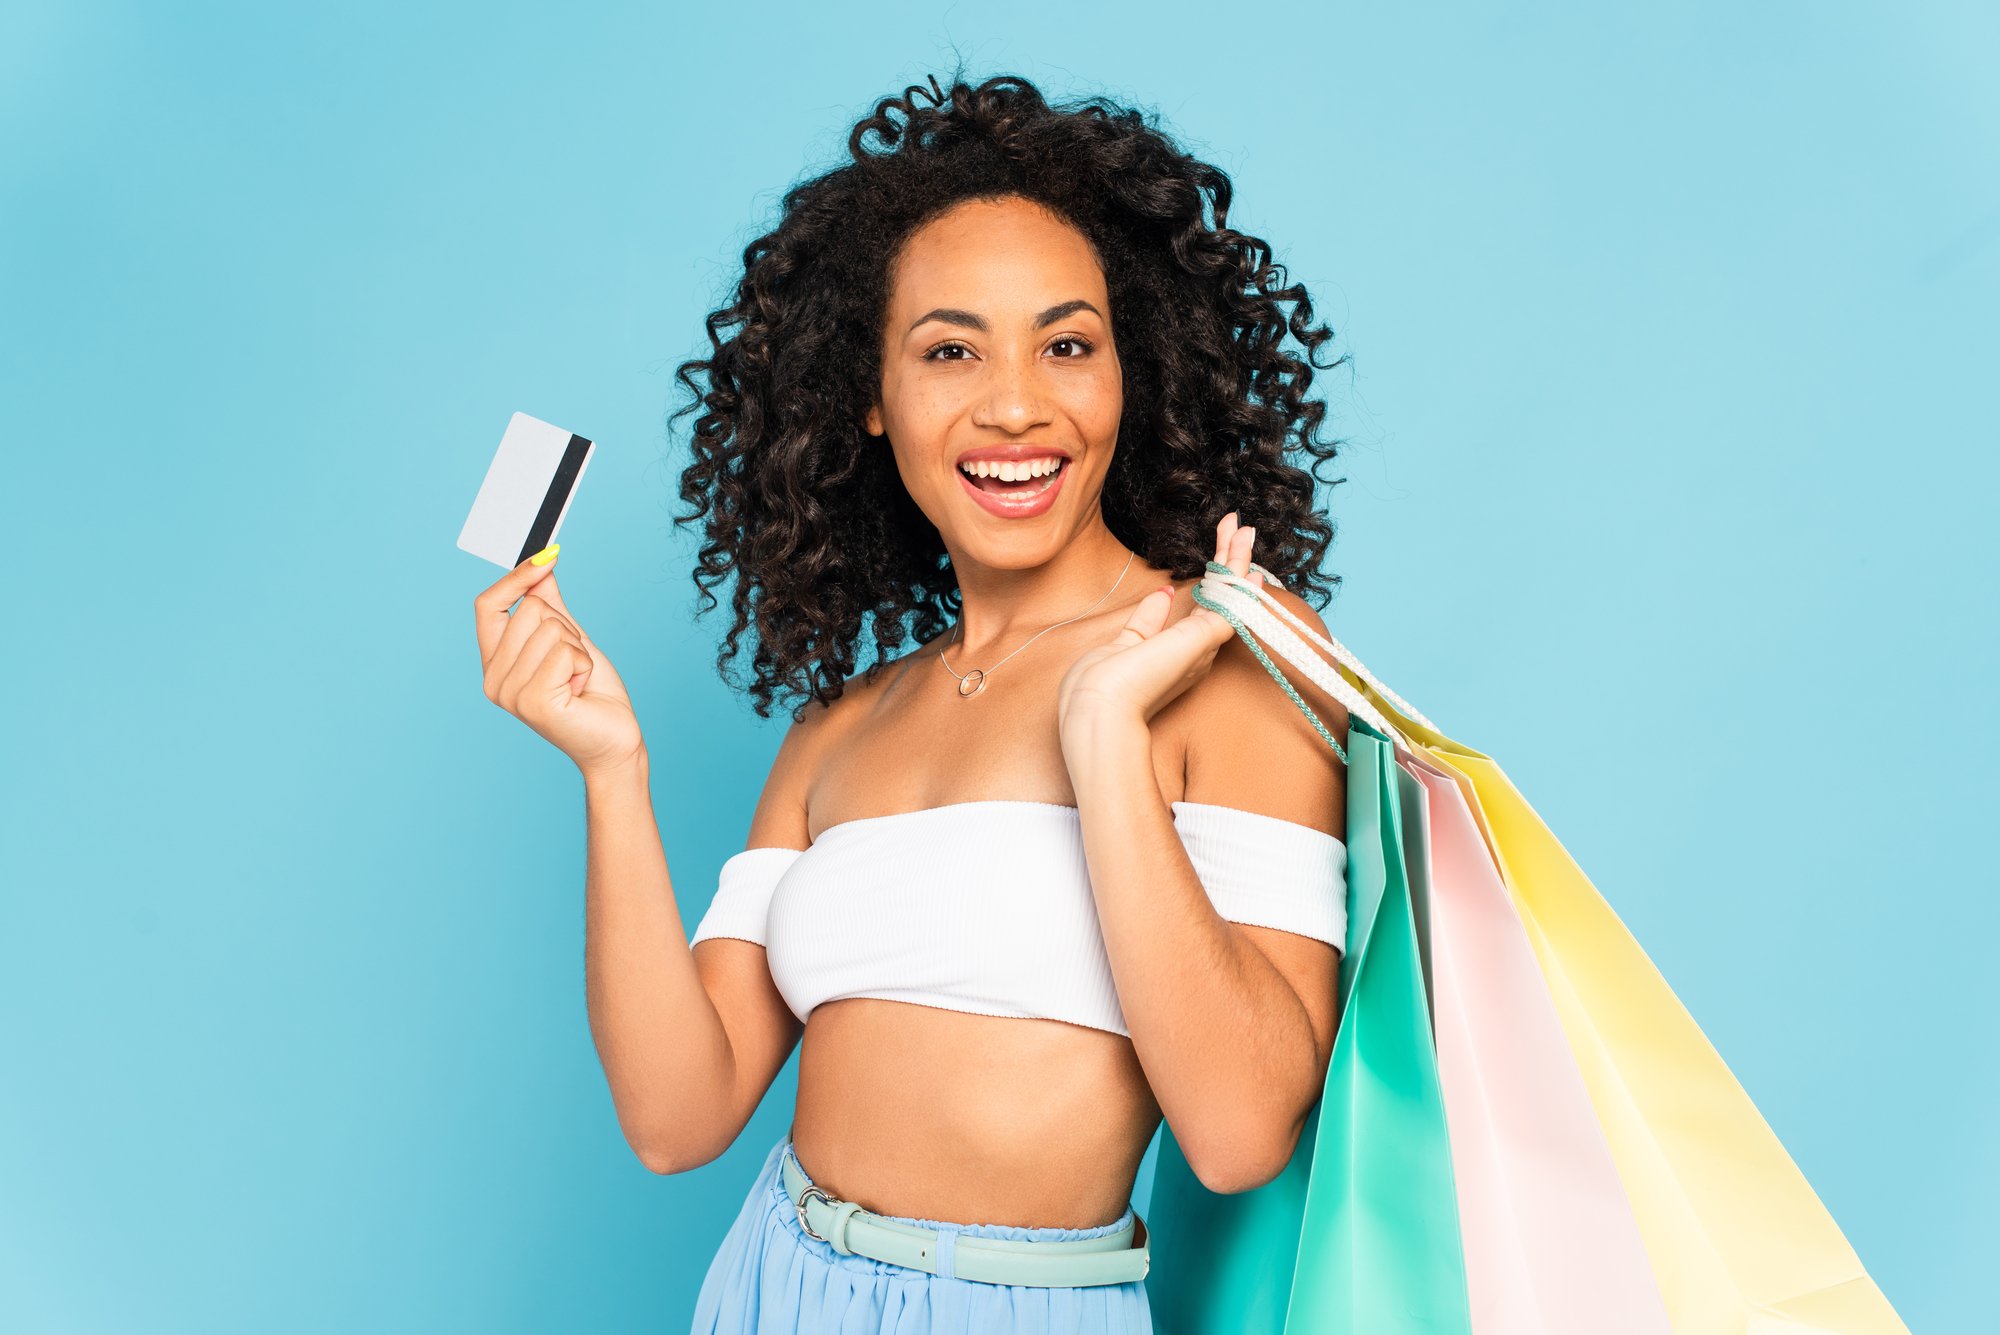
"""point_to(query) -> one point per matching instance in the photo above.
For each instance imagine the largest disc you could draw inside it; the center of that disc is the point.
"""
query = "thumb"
(1148, 615)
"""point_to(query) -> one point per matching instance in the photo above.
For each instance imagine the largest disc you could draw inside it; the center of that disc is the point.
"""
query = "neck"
(1001, 607)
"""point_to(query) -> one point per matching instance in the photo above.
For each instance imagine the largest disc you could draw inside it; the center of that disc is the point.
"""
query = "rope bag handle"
(1249, 608)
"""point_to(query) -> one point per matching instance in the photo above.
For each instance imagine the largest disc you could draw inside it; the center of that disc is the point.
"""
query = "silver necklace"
(971, 683)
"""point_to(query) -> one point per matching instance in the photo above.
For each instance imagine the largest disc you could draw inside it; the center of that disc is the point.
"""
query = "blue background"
(1669, 488)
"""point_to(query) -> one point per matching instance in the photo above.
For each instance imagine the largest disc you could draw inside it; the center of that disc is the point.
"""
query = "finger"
(489, 606)
(513, 636)
(1225, 531)
(548, 590)
(521, 650)
(558, 676)
(521, 623)
(542, 608)
(1239, 552)
(542, 641)
(551, 598)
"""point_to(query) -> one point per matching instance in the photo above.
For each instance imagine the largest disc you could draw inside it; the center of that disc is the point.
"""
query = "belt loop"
(836, 1226)
(947, 1253)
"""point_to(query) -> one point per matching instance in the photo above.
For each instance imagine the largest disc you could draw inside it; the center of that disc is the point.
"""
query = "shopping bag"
(1359, 1234)
(1551, 1243)
(1736, 1237)
(1417, 862)
(1379, 1249)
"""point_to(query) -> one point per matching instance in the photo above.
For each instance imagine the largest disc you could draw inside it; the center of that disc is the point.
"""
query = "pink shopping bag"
(1551, 1243)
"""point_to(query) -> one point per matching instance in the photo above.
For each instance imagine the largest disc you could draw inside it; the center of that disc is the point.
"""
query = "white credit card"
(527, 491)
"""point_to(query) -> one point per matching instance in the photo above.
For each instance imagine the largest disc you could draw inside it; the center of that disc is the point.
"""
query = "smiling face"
(997, 353)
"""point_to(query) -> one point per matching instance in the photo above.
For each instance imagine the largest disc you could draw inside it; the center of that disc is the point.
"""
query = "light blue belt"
(1109, 1258)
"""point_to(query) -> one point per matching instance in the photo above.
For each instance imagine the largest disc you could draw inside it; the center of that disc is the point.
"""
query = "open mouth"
(1015, 490)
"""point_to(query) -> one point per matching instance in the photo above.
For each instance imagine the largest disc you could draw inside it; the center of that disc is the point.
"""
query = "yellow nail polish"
(546, 555)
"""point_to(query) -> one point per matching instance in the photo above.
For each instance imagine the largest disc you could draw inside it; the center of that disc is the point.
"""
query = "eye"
(932, 355)
(1078, 342)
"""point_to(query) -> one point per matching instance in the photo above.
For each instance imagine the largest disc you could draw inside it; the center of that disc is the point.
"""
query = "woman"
(1072, 864)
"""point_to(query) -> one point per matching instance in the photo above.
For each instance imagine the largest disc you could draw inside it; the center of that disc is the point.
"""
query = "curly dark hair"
(810, 511)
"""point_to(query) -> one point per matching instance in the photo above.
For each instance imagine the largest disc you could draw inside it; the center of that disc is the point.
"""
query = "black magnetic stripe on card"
(553, 500)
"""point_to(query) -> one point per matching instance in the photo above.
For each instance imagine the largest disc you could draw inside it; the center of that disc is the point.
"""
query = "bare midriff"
(970, 1119)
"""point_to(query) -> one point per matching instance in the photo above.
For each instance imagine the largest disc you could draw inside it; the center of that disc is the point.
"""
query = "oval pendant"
(970, 683)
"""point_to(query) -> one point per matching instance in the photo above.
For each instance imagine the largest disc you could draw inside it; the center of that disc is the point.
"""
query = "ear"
(873, 421)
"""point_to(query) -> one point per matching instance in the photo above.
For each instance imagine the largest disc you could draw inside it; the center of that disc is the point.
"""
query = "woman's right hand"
(541, 668)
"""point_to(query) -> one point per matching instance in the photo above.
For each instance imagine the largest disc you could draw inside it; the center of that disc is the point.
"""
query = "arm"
(690, 1039)
(1233, 1024)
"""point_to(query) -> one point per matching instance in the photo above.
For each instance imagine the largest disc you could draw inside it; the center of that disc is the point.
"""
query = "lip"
(1006, 509)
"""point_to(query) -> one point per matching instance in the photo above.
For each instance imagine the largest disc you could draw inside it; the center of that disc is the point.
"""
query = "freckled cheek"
(940, 405)
(918, 412)
(928, 416)
(1096, 405)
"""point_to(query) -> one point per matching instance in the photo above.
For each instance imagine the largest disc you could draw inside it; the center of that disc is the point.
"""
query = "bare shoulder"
(780, 820)
(1247, 744)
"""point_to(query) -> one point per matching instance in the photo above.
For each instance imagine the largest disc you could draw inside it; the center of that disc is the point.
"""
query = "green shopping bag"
(1359, 1234)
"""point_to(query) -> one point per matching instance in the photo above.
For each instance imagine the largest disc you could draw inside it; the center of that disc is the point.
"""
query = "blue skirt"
(771, 1278)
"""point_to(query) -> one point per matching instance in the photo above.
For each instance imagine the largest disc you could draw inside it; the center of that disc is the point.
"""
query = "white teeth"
(1009, 471)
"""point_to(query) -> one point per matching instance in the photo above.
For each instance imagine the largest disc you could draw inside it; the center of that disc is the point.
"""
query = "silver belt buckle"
(803, 1196)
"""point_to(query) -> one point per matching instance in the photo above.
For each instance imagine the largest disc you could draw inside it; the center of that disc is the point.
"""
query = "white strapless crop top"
(986, 906)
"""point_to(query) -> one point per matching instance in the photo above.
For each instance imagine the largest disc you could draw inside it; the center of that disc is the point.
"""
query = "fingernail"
(546, 555)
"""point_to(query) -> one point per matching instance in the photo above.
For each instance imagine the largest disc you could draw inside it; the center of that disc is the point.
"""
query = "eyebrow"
(953, 315)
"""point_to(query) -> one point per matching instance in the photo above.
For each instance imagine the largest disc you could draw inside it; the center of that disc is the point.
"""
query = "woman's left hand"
(1134, 675)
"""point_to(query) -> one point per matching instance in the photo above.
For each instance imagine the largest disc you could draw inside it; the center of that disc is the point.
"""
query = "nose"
(1011, 400)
